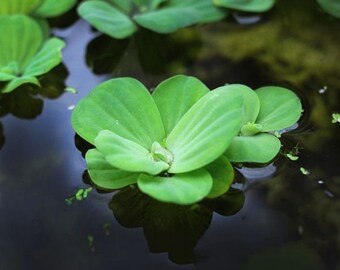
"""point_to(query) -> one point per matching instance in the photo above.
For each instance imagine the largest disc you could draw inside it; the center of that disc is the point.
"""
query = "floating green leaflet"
(25, 53)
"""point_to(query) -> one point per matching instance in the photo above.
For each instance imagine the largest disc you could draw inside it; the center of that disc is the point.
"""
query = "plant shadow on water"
(107, 55)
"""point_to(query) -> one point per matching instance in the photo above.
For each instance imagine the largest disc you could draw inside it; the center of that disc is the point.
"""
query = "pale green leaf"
(175, 96)
(260, 148)
(206, 130)
(248, 5)
(330, 6)
(178, 14)
(20, 40)
(184, 188)
(104, 175)
(251, 105)
(48, 57)
(123, 5)
(107, 19)
(123, 106)
(279, 108)
(12, 7)
(15, 83)
(205, 10)
(127, 155)
(166, 20)
(52, 8)
(222, 173)
(4, 76)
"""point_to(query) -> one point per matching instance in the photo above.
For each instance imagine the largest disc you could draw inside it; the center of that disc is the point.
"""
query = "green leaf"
(279, 108)
(123, 5)
(12, 7)
(330, 6)
(206, 130)
(175, 96)
(222, 173)
(166, 20)
(15, 83)
(260, 148)
(185, 188)
(205, 10)
(127, 155)
(4, 76)
(251, 105)
(104, 175)
(179, 14)
(52, 8)
(20, 40)
(107, 19)
(47, 58)
(123, 106)
(246, 5)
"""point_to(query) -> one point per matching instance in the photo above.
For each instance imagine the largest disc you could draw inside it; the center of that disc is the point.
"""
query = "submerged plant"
(36, 8)
(170, 143)
(120, 18)
(267, 110)
(25, 53)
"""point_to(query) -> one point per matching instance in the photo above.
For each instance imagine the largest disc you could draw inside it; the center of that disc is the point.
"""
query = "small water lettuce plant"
(170, 143)
(25, 52)
(176, 144)
(36, 8)
(267, 111)
(121, 18)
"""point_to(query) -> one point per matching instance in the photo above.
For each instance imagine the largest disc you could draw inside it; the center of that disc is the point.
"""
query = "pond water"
(278, 216)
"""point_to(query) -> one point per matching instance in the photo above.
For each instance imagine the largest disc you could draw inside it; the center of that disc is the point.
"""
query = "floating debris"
(336, 118)
(107, 228)
(320, 182)
(292, 157)
(322, 90)
(71, 90)
(304, 171)
(90, 241)
(71, 107)
(79, 195)
(329, 194)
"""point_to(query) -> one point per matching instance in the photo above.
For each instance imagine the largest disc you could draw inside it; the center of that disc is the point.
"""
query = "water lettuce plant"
(246, 5)
(36, 8)
(266, 111)
(25, 53)
(120, 18)
(170, 143)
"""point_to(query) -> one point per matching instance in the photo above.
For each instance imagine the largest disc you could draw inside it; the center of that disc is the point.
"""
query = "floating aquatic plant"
(246, 5)
(37, 8)
(170, 143)
(120, 18)
(267, 110)
(25, 53)
(176, 143)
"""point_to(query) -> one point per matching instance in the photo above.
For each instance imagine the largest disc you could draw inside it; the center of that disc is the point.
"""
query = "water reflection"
(27, 100)
(171, 228)
(106, 55)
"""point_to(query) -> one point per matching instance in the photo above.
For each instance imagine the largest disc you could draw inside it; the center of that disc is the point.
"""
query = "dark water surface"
(282, 219)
